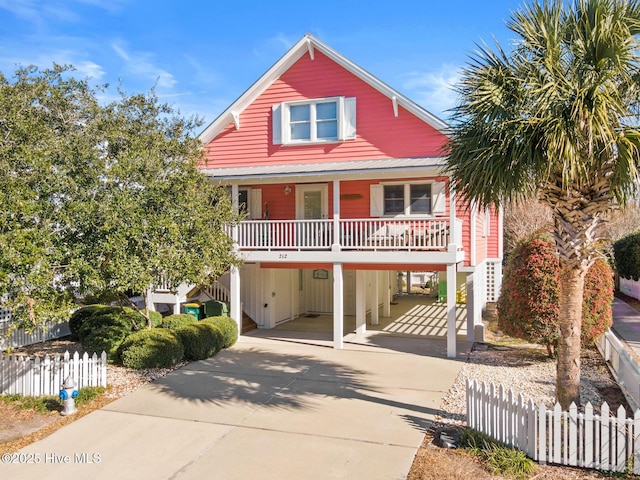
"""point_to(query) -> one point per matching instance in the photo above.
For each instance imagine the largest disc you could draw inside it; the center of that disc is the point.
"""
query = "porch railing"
(352, 234)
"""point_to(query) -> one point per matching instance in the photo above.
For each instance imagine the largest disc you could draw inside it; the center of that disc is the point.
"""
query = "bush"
(528, 303)
(107, 329)
(227, 326)
(178, 320)
(200, 340)
(627, 256)
(155, 318)
(596, 307)
(151, 348)
(80, 315)
(500, 458)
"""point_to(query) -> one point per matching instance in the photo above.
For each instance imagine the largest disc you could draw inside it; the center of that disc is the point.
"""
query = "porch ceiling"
(328, 170)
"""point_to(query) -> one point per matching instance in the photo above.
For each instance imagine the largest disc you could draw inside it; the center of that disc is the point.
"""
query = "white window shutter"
(276, 119)
(255, 203)
(438, 197)
(377, 200)
(349, 119)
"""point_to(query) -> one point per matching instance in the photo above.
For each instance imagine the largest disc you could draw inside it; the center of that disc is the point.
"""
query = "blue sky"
(201, 55)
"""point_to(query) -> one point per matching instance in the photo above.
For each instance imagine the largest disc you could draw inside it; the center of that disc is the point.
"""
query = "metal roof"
(343, 168)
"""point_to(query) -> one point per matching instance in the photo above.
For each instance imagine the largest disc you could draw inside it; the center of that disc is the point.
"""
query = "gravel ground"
(528, 371)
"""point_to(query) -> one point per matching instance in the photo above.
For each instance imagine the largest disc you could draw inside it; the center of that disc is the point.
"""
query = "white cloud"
(435, 89)
(139, 64)
(278, 44)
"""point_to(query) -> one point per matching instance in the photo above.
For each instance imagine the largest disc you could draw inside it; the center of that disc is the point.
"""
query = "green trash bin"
(215, 308)
(193, 309)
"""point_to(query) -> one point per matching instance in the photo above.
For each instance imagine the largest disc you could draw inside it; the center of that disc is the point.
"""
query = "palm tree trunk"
(569, 347)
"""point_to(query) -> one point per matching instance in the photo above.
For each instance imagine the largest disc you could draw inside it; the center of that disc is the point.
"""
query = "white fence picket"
(22, 375)
(588, 440)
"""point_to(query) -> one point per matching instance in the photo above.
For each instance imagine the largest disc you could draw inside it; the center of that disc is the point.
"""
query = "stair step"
(248, 324)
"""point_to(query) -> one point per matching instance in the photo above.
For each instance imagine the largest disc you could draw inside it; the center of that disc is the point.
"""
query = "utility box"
(194, 309)
(215, 308)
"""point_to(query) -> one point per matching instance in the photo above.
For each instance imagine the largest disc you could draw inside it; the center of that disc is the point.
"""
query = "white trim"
(236, 119)
(312, 103)
(472, 232)
(302, 47)
(312, 187)
(394, 102)
(407, 199)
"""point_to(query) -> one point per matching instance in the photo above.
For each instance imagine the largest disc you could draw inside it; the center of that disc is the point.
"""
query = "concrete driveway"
(265, 408)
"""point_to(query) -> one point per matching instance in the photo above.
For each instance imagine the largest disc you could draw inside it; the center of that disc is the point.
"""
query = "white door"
(311, 201)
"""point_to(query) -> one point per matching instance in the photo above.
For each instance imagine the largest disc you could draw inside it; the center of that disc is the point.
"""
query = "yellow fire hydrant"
(67, 395)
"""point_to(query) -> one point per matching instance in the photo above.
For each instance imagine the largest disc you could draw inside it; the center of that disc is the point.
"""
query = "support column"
(386, 302)
(234, 297)
(337, 237)
(234, 274)
(338, 306)
(408, 282)
(361, 302)
(471, 307)
(374, 298)
(451, 311)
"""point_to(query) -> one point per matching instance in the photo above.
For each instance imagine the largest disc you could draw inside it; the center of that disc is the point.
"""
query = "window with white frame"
(407, 199)
(314, 121)
(424, 198)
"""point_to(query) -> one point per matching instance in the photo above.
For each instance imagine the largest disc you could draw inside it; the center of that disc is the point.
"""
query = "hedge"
(178, 320)
(627, 256)
(151, 348)
(200, 340)
(528, 303)
(227, 326)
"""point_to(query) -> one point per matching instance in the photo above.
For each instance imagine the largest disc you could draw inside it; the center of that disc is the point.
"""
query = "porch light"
(287, 190)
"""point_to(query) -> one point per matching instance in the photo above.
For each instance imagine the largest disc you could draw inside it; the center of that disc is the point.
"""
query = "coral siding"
(492, 241)
(379, 133)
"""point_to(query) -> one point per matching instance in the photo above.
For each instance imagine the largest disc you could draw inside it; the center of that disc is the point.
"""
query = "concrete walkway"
(626, 324)
(265, 408)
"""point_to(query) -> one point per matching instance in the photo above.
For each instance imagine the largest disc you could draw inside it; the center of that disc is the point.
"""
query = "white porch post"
(451, 310)
(471, 306)
(337, 240)
(361, 302)
(386, 303)
(338, 306)
(176, 305)
(453, 237)
(234, 274)
(374, 298)
(234, 297)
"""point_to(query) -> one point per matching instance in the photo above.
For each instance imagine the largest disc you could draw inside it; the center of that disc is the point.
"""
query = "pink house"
(342, 181)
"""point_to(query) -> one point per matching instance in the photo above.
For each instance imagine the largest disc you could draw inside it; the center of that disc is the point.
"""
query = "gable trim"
(308, 44)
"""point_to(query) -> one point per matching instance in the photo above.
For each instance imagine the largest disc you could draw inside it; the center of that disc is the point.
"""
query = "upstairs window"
(407, 199)
(314, 121)
(426, 198)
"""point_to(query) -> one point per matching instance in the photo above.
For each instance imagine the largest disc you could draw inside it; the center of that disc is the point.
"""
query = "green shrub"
(200, 340)
(227, 326)
(86, 394)
(499, 458)
(151, 348)
(178, 320)
(627, 256)
(154, 317)
(596, 307)
(80, 315)
(528, 304)
(107, 329)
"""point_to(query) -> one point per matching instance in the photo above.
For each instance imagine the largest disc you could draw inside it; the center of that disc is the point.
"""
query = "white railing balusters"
(353, 234)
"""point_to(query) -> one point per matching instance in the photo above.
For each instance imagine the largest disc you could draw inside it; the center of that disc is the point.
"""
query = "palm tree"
(555, 117)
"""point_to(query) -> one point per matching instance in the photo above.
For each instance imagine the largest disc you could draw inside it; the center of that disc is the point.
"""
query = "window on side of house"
(321, 120)
(407, 199)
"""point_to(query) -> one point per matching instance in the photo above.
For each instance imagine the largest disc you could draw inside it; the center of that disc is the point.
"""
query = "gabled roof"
(308, 44)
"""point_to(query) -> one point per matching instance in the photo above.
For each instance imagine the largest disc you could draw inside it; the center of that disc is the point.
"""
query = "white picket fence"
(581, 439)
(23, 375)
(622, 365)
(20, 337)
